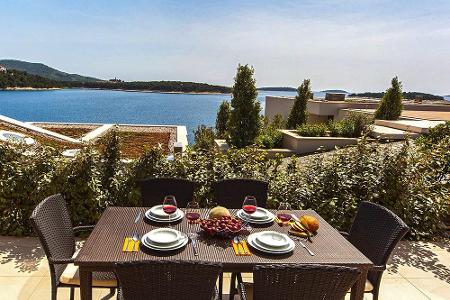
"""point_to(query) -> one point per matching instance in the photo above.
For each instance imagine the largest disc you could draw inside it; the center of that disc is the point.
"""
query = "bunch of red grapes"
(225, 226)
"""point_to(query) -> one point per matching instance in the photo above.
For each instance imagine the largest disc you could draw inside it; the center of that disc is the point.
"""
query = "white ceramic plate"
(272, 239)
(269, 218)
(158, 212)
(178, 215)
(163, 236)
(181, 243)
(251, 239)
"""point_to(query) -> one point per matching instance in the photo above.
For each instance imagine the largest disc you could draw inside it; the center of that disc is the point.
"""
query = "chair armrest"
(83, 228)
(378, 268)
(242, 292)
(344, 234)
(61, 261)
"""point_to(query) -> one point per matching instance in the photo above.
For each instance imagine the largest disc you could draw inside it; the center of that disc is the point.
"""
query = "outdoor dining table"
(103, 249)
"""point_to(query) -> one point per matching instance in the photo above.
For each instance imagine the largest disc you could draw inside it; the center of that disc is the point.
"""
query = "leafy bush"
(270, 136)
(204, 138)
(313, 130)
(435, 135)
(411, 179)
(353, 125)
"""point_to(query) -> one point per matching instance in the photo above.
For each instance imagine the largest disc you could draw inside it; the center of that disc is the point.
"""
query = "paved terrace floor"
(417, 270)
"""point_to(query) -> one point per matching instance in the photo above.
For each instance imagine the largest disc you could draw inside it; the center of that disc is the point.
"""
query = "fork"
(193, 238)
(241, 241)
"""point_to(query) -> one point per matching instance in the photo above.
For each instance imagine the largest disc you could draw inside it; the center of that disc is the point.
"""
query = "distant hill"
(19, 79)
(406, 95)
(278, 89)
(44, 71)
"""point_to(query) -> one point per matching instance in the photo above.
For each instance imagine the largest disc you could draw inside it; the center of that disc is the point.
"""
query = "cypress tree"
(245, 122)
(223, 116)
(391, 105)
(299, 114)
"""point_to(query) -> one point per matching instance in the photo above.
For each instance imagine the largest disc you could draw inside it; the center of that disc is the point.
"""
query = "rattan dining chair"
(153, 190)
(289, 282)
(168, 280)
(231, 192)
(51, 222)
(375, 232)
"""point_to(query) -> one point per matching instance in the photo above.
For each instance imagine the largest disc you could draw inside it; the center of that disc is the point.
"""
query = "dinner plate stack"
(260, 216)
(271, 242)
(164, 239)
(157, 214)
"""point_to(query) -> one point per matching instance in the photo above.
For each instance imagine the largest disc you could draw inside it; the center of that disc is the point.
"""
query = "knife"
(306, 229)
(137, 217)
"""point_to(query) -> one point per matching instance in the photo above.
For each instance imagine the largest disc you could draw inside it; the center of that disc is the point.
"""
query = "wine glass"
(284, 212)
(192, 211)
(170, 206)
(249, 206)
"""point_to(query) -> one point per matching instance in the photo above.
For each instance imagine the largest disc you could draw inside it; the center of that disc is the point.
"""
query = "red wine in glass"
(249, 209)
(192, 216)
(284, 212)
(169, 206)
(192, 211)
(169, 209)
(284, 217)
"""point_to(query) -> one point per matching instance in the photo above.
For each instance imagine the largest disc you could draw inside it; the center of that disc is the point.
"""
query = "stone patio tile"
(399, 289)
(433, 288)
(420, 260)
(42, 291)
(20, 288)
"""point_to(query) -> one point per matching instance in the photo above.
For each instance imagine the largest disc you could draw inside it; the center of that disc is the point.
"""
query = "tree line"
(14, 78)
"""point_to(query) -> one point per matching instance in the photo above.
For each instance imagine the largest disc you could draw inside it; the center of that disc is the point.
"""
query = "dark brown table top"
(103, 248)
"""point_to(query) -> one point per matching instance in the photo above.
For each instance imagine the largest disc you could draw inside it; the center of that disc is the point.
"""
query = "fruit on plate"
(225, 226)
(310, 223)
(298, 229)
(218, 212)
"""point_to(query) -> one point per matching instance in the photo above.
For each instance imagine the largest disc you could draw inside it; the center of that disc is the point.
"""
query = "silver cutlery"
(241, 241)
(193, 238)
(137, 217)
(237, 242)
(307, 249)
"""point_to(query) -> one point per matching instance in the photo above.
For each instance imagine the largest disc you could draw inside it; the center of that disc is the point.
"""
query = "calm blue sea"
(105, 106)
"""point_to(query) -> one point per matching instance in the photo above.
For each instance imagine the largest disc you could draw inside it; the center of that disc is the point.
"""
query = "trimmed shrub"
(245, 122)
(391, 105)
(299, 114)
(411, 179)
(353, 125)
(312, 130)
(222, 119)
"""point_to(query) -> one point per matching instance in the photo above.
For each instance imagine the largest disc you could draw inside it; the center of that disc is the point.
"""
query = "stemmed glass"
(192, 211)
(284, 212)
(170, 207)
(249, 206)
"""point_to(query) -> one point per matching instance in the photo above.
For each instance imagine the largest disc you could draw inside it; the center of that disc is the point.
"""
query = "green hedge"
(410, 179)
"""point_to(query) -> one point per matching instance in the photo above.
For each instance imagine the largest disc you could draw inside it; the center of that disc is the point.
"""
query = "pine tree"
(391, 105)
(299, 114)
(223, 116)
(245, 121)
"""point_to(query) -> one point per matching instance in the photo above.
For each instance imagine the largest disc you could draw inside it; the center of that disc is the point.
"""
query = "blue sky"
(355, 45)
